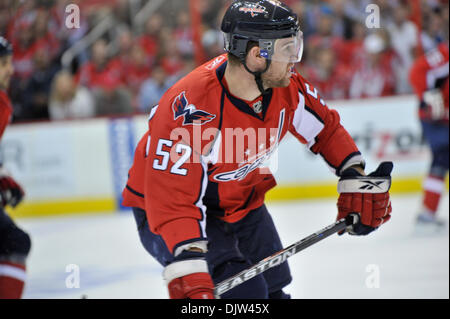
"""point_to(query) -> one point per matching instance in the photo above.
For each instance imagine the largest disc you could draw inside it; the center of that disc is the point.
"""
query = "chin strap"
(258, 75)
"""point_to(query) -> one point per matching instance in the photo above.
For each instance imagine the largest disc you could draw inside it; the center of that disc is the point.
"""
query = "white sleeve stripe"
(305, 122)
(147, 146)
(152, 112)
(310, 126)
(12, 272)
(310, 110)
(199, 203)
(298, 112)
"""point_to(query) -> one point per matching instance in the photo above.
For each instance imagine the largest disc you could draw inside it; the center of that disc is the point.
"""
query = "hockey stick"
(279, 257)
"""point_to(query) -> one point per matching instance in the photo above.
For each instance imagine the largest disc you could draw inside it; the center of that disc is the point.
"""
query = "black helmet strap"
(258, 75)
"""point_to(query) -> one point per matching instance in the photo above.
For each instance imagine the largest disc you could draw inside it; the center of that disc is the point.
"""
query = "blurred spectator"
(112, 100)
(37, 91)
(212, 39)
(96, 9)
(125, 42)
(355, 10)
(149, 40)
(22, 14)
(335, 58)
(188, 66)
(374, 76)
(99, 71)
(213, 43)
(137, 70)
(310, 16)
(24, 50)
(342, 25)
(435, 28)
(6, 13)
(403, 35)
(169, 55)
(44, 33)
(153, 89)
(212, 12)
(122, 11)
(103, 77)
(68, 100)
(133, 62)
(330, 77)
(445, 21)
(387, 9)
(182, 34)
(325, 36)
(34, 69)
(353, 48)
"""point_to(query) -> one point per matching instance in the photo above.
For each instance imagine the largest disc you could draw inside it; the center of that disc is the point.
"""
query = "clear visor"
(288, 50)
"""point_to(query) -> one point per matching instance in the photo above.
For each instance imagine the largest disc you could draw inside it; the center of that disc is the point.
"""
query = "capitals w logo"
(190, 114)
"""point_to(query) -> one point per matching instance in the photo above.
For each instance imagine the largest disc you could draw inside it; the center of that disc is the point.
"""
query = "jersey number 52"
(163, 163)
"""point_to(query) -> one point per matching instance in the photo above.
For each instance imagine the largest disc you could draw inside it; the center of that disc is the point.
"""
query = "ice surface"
(392, 262)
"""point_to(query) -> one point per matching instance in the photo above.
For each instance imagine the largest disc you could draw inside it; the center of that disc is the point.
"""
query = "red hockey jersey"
(431, 71)
(5, 112)
(205, 148)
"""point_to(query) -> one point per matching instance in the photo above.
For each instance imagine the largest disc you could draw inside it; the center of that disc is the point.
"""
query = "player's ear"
(254, 59)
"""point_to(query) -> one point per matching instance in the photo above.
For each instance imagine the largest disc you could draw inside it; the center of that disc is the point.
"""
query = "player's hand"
(189, 278)
(10, 191)
(366, 195)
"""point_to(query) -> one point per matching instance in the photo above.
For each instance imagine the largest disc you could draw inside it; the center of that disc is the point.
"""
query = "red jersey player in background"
(197, 183)
(15, 244)
(429, 77)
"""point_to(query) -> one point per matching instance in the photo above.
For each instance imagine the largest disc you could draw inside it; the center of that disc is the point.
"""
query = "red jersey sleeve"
(428, 69)
(176, 169)
(431, 72)
(319, 127)
(5, 112)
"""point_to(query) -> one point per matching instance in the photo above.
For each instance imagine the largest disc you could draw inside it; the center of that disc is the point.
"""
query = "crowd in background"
(128, 68)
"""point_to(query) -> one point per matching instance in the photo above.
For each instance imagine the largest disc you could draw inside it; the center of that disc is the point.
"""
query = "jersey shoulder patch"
(189, 112)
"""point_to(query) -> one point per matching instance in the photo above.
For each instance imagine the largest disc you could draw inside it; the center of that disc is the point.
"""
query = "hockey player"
(197, 185)
(14, 243)
(429, 77)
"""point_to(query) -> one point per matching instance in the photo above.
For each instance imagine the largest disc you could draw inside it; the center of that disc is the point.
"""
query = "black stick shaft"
(279, 257)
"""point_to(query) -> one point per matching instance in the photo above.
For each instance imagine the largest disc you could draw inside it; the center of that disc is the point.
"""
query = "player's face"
(6, 71)
(278, 74)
